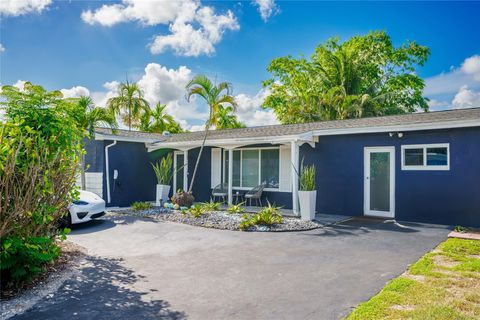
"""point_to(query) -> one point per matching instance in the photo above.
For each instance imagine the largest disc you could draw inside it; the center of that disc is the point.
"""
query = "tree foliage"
(40, 144)
(363, 76)
(226, 119)
(129, 104)
(158, 121)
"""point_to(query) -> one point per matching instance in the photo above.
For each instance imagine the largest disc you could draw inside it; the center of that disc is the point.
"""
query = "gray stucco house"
(433, 162)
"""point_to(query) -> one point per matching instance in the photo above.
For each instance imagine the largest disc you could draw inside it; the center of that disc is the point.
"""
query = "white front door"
(379, 185)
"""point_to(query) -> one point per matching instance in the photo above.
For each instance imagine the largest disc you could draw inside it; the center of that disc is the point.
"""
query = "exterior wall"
(201, 186)
(445, 197)
(136, 178)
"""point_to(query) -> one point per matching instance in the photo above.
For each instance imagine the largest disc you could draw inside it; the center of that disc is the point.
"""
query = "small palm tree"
(226, 119)
(129, 104)
(91, 117)
(216, 97)
(161, 119)
(158, 121)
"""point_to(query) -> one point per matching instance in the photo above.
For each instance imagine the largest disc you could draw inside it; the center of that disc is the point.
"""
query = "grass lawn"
(443, 284)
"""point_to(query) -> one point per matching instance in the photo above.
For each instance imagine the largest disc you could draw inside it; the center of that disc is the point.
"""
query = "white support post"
(230, 176)
(295, 167)
(185, 170)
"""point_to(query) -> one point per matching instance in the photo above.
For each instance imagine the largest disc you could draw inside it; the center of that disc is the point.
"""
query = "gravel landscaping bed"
(219, 220)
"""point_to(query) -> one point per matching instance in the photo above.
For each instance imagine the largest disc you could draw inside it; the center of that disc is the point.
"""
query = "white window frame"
(425, 166)
(225, 156)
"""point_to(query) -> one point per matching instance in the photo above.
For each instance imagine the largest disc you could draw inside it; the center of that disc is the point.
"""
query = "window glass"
(250, 168)
(270, 167)
(236, 168)
(414, 157)
(437, 156)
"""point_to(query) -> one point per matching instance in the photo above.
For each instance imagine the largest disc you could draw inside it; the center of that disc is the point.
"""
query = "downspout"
(107, 168)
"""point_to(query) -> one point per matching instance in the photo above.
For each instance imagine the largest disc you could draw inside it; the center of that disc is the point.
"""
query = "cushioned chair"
(220, 191)
(256, 194)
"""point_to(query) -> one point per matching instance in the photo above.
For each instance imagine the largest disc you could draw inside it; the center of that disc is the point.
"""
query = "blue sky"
(88, 47)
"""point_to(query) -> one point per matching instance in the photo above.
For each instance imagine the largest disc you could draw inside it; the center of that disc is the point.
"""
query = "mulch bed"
(219, 220)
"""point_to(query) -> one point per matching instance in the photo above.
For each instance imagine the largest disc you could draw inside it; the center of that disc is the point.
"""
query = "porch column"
(230, 176)
(295, 168)
(185, 170)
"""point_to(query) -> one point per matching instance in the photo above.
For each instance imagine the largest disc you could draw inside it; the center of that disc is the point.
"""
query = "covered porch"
(241, 164)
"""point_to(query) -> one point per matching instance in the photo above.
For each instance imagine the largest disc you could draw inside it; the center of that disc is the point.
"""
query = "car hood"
(88, 196)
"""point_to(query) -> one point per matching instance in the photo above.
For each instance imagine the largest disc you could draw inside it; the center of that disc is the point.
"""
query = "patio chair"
(256, 194)
(220, 191)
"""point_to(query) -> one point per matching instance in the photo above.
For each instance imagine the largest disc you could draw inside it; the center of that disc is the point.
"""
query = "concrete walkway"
(141, 269)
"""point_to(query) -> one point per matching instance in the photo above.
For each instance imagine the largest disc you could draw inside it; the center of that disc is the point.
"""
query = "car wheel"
(65, 221)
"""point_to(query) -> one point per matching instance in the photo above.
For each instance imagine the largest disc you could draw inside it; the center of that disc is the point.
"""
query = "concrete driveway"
(142, 269)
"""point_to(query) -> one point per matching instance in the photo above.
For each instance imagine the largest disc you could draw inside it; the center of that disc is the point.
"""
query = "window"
(252, 167)
(426, 157)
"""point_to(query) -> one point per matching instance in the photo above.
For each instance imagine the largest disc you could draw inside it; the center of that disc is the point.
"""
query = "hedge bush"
(40, 146)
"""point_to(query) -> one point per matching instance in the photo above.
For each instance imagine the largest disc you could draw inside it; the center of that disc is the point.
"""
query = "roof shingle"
(293, 129)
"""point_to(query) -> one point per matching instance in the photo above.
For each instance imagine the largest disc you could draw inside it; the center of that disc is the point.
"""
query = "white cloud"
(163, 85)
(186, 40)
(451, 82)
(471, 66)
(249, 111)
(75, 92)
(196, 127)
(266, 8)
(466, 98)
(19, 84)
(194, 29)
(2, 48)
(20, 7)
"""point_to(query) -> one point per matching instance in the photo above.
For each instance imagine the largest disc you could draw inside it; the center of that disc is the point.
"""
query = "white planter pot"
(308, 201)
(162, 194)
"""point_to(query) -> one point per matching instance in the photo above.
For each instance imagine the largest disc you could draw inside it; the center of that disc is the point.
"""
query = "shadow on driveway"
(101, 291)
(106, 223)
(362, 225)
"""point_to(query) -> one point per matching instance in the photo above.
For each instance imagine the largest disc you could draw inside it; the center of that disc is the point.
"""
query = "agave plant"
(211, 206)
(236, 208)
(163, 170)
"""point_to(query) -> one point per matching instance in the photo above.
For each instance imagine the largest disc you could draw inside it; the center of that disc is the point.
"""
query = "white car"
(88, 206)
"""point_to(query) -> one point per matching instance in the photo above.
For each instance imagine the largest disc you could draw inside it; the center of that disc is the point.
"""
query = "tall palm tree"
(91, 117)
(129, 104)
(216, 97)
(226, 119)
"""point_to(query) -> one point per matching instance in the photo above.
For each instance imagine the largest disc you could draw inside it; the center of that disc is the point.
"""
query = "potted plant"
(164, 173)
(308, 192)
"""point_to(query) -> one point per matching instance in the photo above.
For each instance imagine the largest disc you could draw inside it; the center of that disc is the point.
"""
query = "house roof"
(405, 122)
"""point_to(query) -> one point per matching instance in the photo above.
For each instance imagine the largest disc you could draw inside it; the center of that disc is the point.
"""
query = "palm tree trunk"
(198, 161)
(82, 172)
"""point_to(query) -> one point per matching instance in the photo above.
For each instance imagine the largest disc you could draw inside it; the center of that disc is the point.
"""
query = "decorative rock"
(220, 220)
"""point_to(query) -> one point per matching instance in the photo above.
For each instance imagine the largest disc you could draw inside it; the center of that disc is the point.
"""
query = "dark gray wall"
(136, 178)
(94, 157)
(446, 197)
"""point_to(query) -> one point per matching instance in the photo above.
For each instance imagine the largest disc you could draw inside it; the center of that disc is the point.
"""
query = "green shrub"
(197, 211)
(212, 205)
(236, 208)
(307, 178)
(40, 147)
(139, 205)
(23, 259)
(164, 170)
(268, 216)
